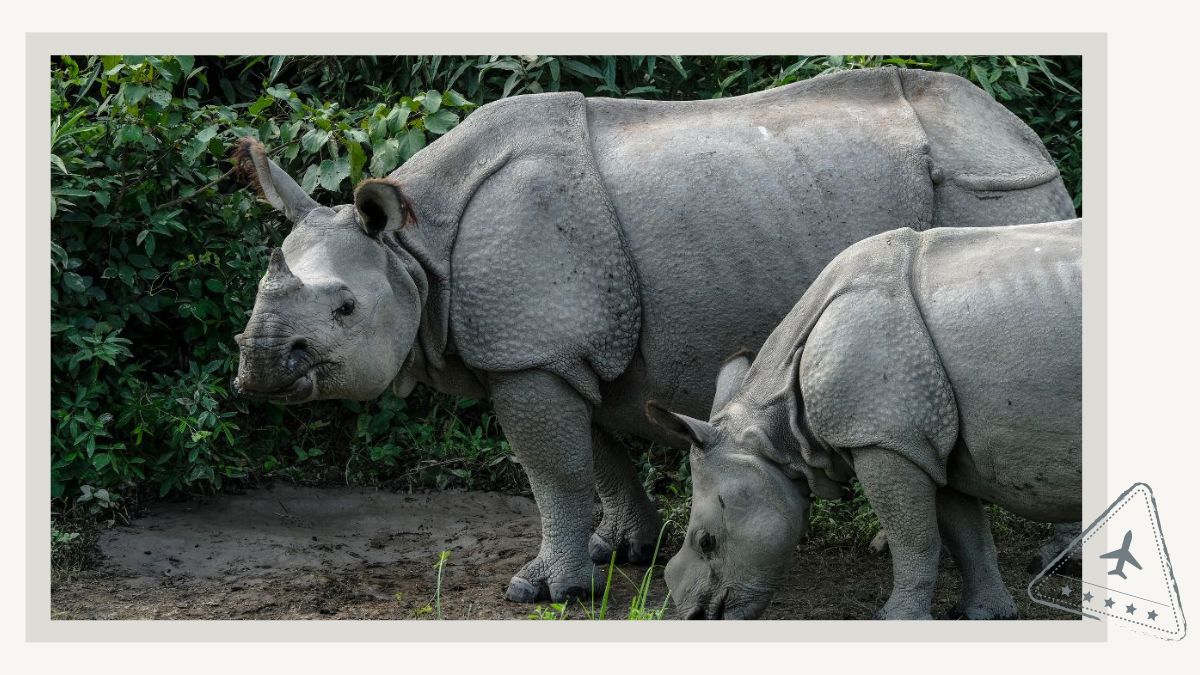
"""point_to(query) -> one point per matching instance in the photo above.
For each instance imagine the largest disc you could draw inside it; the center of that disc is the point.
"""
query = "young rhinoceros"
(570, 258)
(941, 368)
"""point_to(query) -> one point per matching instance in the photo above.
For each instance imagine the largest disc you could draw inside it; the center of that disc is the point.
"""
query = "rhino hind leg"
(1064, 535)
(964, 527)
(548, 425)
(904, 498)
(630, 524)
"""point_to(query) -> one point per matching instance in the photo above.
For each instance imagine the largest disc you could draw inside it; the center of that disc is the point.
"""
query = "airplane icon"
(1122, 556)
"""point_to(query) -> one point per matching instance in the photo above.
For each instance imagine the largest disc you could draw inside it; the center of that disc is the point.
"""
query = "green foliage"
(156, 251)
(440, 566)
(849, 522)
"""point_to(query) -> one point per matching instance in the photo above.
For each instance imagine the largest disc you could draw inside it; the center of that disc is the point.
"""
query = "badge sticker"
(1126, 573)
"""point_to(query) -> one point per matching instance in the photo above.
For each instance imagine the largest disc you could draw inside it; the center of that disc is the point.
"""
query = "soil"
(343, 553)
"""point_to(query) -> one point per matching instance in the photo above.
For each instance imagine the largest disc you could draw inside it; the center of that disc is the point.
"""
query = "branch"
(212, 183)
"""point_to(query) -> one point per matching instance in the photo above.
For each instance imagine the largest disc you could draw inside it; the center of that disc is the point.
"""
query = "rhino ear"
(272, 182)
(381, 206)
(729, 380)
(693, 431)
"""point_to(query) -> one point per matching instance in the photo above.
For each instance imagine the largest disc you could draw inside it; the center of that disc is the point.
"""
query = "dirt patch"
(293, 553)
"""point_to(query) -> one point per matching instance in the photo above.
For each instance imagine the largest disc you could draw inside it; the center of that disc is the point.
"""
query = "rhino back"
(1003, 307)
(732, 207)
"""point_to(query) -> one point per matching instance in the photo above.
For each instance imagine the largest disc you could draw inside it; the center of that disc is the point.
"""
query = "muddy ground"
(329, 553)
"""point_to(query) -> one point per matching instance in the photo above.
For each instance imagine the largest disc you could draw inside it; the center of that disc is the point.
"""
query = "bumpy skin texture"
(623, 248)
(942, 368)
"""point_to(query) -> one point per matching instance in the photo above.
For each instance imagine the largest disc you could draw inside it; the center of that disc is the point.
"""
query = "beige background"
(1149, 368)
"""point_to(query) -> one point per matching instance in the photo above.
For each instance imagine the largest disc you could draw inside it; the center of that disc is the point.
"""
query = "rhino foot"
(526, 592)
(885, 614)
(981, 614)
(633, 551)
(997, 606)
(520, 590)
(539, 582)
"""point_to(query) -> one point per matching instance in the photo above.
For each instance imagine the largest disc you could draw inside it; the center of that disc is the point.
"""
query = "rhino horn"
(278, 265)
(279, 275)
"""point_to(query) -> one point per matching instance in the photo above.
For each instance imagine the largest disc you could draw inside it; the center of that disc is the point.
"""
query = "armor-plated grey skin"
(941, 368)
(572, 258)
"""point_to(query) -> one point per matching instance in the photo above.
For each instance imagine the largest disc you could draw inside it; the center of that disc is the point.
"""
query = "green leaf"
(162, 98)
(207, 134)
(333, 172)
(186, 63)
(288, 131)
(1022, 76)
(582, 69)
(455, 100)
(440, 123)
(260, 105)
(312, 141)
(431, 101)
(984, 81)
(276, 64)
(358, 158)
(386, 156)
(75, 282)
(134, 93)
(130, 134)
(412, 142)
(311, 177)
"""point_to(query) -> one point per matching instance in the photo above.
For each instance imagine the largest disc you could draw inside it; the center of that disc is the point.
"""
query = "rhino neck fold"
(515, 181)
(429, 342)
(771, 392)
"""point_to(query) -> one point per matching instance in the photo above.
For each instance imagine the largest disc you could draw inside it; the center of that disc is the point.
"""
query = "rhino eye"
(346, 309)
(708, 543)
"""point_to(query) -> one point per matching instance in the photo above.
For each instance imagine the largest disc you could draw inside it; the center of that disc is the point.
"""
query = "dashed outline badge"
(1126, 574)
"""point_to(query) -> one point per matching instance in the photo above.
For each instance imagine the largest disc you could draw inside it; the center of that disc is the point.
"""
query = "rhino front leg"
(631, 523)
(904, 498)
(964, 527)
(549, 427)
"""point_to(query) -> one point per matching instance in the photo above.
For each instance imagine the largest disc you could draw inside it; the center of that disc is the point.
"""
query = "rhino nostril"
(298, 353)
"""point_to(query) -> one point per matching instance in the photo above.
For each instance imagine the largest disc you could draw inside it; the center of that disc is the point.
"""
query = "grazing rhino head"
(335, 316)
(747, 515)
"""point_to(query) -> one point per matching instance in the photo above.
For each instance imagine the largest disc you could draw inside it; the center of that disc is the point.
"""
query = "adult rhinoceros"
(570, 258)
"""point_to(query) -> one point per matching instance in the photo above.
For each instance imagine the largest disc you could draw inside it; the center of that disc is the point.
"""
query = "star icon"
(1087, 597)
(1066, 590)
(1108, 602)
(1130, 609)
(1152, 615)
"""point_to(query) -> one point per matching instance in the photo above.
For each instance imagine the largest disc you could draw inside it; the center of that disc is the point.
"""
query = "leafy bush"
(155, 250)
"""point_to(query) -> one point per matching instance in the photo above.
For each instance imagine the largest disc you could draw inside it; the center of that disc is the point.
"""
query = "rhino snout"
(274, 369)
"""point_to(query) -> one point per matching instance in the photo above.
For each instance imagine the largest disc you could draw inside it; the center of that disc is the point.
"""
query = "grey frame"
(39, 46)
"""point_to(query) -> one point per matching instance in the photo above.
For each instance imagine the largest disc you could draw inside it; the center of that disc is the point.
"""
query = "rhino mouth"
(706, 608)
(728, 607)
(302, 389)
